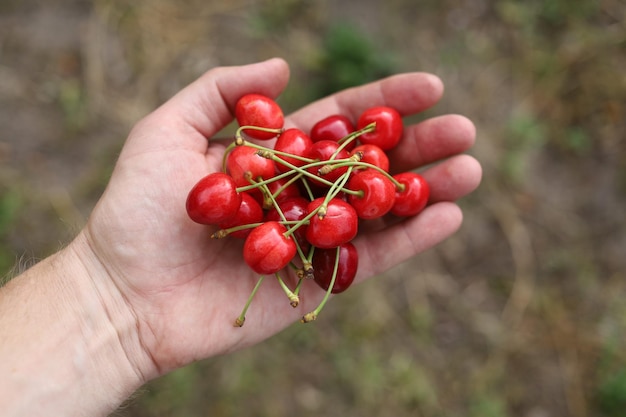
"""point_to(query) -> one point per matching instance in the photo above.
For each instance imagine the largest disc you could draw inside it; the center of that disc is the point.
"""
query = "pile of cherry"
(299, 202)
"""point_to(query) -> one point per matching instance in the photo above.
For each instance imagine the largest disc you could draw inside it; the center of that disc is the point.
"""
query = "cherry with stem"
(311, 316)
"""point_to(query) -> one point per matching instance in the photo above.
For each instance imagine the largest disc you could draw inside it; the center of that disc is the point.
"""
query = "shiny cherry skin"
(291, 190)
(335, 128)
(324, 264)
(323, 151)
(389, 127)
(294, 209)
(414, 197)
(339, 224)
(261, 111)
(378, 193)
(293, 141)
(266, 250)
(372, 154)
(213, 199)
(249, 212)
(244, 159)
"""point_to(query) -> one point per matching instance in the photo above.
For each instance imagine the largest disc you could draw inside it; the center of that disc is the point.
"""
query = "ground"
(521, 313)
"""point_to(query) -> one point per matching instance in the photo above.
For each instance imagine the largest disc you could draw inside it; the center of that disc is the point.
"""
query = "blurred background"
(521, 313)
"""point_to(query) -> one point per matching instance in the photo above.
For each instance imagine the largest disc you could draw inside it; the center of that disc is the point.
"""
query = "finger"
(453, 178)
(449, 180)
(408, 93)
(206, 106)
(432, 140)
(386, 248)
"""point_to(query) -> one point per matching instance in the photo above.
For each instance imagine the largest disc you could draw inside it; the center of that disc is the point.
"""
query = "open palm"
(185, 289)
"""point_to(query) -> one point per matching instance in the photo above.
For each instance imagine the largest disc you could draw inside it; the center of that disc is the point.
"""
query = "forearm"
(64, 342)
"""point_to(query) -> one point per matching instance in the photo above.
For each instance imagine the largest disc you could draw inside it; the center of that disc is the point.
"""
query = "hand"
(184, 289)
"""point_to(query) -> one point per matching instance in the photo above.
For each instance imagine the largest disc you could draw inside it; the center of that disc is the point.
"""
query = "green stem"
(360, 164)
(239, 140)
(294, 300)
(276, 152)
(296, 291)
(222, 233)
(313, 314)
(283, 219)
(267, 181)
(303, 169)
(228, 149)
(352, 137)
(287, 184)
(307, 187)
(335, 189)
(242, 317)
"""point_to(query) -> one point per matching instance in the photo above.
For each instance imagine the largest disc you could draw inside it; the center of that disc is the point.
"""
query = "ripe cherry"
(295, 142)
(249, 212)
(324, 264)
(243, 161)
(338, 225)
(213, 199)
(414, 197)
(323, 151)
(286, 191)
(261, 111)
(267, 250)
(389, 127)
(294, 209)
(374, 155)
(335, 128)
(378, 193)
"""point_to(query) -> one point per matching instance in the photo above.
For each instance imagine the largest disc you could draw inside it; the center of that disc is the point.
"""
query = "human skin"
(142, 290)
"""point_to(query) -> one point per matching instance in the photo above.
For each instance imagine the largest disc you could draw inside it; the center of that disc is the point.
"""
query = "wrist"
(110, 322)
(68, 341)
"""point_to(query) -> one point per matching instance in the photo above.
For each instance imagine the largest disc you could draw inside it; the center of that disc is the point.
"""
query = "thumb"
(206, 106)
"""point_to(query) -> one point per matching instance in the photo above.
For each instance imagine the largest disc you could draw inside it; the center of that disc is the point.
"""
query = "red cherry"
(323, 151)
(414, 197)
(324, 264)
(267, 250)
(249, 212)
(289, 191)
(378, 193)
(261, 111)
(339, 224)
(243, 160)
(295, 142)
(294, 209)
(213, 199)
(372, 154)
(335, 128)
(389, 127)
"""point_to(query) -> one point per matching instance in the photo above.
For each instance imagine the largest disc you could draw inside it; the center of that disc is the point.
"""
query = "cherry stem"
(360, 164)
(228, 149)
(276, 152)
(222, 233)
(294, 300)
(303, 169)
(272, 200)
(345, 141)
(287, 184)
(338, 187)
(307, 187)
(267, 193)
(239, 140)
(313, 314)
(256, 184)
(320, 210)
(296, 291)
(242, 317)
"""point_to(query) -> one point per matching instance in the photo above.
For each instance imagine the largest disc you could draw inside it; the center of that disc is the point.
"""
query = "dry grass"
(520, 314)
